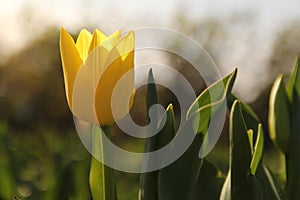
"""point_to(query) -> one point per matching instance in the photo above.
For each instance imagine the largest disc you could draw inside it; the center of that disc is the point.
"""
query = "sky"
(24, 20)
(114, 14)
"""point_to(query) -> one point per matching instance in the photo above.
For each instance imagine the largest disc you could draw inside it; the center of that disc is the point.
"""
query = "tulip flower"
(92, 67)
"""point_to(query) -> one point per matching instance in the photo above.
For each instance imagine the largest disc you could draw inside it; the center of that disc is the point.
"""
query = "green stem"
(102, 178)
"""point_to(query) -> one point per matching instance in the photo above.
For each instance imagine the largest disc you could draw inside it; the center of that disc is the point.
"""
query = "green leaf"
(294, 82)
(269, 186)
(204, 106)
(247, 182)
(209, 182)
(102, 179)
(279, 116)
(162, 138)
(179, 173)
(240, 150)
(148, 181)
(168, 129)
(226, 189)
(250, 137)
(249, 189)
(178, 180)
(258, 150)
(252, 189)
(249, 115)
(209, 105)
(293, 157)
(240, 183)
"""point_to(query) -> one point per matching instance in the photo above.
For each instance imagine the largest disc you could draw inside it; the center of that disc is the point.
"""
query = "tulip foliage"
(191, 177)
(284, 123)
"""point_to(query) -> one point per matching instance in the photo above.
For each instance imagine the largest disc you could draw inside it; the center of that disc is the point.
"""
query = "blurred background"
(41, 155)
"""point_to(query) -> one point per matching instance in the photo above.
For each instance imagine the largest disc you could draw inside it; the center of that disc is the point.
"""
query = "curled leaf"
(279, 116)
(258, 150)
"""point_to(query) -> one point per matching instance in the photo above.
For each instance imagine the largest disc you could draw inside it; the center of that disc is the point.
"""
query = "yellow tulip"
(92, 67)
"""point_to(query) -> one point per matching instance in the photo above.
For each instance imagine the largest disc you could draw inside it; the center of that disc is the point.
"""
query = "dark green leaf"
(240, 150)
(240, 183)
(249, 115)
(209, 182)
(293, 157)
(178, 180)
(269, 187)
(148, 181)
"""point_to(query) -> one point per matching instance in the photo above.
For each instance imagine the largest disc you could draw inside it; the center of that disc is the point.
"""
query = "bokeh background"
(41, 155)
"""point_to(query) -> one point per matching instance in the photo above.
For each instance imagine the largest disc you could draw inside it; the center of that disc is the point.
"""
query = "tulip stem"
(102, 177)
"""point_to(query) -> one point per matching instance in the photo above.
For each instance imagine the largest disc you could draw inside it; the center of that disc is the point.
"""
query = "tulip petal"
(123, 48)
(86, 83)
(119, 61)
(83, 43)
(114, 38)
(98, 38)
(71, 62)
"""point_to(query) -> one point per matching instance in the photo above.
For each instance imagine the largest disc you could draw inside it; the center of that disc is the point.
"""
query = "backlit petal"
(86, 83)
(120, 60)
(123, 48)
(113, 38)
(71, 62)
(98, 38)
(83, 43)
